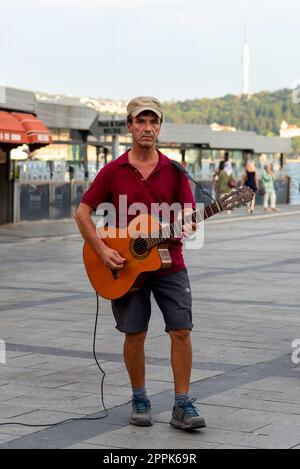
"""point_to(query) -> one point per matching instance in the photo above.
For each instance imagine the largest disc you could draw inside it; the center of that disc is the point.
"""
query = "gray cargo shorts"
(172, 294)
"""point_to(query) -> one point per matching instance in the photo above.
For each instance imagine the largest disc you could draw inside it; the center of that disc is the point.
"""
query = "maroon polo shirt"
(164, 185)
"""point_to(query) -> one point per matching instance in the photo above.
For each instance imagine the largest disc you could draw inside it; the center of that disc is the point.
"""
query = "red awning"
(17, 128)
(37, 133)
(11, 131)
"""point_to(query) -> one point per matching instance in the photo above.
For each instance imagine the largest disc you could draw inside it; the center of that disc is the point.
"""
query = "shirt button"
(143, 179)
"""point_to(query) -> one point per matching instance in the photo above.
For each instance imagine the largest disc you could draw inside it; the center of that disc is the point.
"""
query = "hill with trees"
(262, 113)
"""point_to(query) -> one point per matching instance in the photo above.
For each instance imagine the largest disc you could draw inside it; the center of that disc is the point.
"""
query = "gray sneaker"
(186, 417)
(141, 412)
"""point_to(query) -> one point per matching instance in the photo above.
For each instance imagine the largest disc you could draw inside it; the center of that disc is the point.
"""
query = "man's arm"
(87, 228)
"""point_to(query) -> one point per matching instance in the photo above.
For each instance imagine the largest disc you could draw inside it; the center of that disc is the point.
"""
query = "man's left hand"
(189, 229)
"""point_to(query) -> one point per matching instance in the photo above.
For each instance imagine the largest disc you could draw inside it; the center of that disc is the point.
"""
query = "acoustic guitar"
(143, 244)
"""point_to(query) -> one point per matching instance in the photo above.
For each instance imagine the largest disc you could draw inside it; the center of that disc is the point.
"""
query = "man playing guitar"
(145, 175)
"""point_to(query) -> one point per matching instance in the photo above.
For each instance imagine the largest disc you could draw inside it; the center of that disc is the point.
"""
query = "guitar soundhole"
(140, 246)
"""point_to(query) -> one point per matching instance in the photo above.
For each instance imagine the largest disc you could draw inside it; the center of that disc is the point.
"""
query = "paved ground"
(246, 313)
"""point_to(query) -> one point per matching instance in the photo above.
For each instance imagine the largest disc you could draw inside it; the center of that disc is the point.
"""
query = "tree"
(263, 113)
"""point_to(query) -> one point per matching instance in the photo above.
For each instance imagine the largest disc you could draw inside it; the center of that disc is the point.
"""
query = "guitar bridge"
(166, 260)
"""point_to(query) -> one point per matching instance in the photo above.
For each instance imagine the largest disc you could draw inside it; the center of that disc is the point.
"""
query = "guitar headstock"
(237, 198)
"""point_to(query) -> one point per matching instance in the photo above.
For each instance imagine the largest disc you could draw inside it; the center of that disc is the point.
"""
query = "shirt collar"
(163, 159)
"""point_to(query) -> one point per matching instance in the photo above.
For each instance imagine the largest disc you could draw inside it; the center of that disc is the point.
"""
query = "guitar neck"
(175, 229)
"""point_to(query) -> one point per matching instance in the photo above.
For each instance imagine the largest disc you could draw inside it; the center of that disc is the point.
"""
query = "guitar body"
(145, 255)
(127, 241)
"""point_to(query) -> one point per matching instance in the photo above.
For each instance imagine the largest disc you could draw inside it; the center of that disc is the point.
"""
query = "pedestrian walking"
(223, 181)
(250, 179)
(268, 183)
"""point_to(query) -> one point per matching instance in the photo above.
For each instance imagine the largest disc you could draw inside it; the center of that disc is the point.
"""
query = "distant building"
(102, 105)
(222, 128)
(289, 131)
(110, 106)
(52, 146)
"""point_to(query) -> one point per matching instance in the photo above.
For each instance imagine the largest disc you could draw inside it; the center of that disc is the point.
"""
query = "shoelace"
(142, 405)
(188, 407)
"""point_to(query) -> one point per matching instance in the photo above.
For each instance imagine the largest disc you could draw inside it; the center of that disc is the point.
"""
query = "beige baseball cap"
(144, 103)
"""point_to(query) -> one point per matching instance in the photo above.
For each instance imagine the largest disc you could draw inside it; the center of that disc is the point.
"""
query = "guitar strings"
(140, 243)
(202, 213)
(175, 225)
(178, 223)
(157, 235)
(127, 251)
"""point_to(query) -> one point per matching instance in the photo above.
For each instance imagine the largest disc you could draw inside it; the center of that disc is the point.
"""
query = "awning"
(11, 130)
(37, 132)
(17, 128)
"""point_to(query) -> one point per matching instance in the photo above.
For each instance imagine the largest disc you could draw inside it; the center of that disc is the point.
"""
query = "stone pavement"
(245, 284)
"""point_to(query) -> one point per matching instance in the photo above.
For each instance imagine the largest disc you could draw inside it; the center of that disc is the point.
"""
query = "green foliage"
(296, 144)
(263, 113)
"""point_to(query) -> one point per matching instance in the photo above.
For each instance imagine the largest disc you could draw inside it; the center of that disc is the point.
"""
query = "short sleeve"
(99, 191)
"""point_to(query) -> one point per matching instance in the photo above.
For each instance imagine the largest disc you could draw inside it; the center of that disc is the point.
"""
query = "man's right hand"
(111, 258)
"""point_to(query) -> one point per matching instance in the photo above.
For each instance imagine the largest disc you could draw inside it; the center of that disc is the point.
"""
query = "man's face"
(145, 129)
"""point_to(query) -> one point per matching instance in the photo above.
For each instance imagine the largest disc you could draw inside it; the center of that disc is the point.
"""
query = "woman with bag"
(250, 179)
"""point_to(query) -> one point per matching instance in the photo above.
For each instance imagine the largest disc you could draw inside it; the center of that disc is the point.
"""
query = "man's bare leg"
(134, 357)
(181, 357)
(185, 416)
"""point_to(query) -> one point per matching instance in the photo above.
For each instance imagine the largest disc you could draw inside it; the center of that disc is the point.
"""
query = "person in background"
(227, 168)
(250, 179)
(222, 186)
(268, 182)
(228, 165)
(215, 178)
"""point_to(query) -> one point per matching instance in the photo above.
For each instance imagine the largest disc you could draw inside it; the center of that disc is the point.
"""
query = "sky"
(171, 49)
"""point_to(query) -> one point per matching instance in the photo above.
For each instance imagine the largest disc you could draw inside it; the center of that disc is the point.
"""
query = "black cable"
(79, 419)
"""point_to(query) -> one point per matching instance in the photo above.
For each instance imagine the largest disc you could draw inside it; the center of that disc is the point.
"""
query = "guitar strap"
(190, 178)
